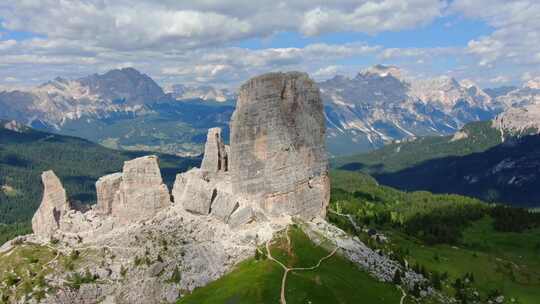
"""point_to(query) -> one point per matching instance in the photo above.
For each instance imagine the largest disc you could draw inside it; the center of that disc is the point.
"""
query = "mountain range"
(380, 106)
(205, 92)
(495, 161)
(126, 109)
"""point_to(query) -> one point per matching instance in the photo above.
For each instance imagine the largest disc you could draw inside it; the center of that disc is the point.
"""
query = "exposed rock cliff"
(53, 206)
(142, 193)
(278, 155)
(107, 188)
(275, 169)
(215, 152)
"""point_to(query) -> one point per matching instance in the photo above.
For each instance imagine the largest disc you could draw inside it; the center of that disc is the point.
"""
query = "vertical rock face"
(107, 188)
(215, 153)
(277, 152)
(141, 192)
(53, 206)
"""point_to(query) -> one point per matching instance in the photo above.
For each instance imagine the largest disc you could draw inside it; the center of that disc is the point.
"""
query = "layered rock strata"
(141, 193)
(277, 150)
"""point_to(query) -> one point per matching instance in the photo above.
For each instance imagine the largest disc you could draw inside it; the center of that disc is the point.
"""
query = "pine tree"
(397, 277)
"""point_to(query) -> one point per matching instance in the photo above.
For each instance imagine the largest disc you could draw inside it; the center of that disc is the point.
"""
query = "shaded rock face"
(215, 152)
(141, 192)
(53, 206)
(277, 149)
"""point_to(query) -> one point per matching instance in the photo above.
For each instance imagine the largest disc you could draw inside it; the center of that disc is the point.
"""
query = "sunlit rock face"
(141, 192)
(53, 206)
(277, 149)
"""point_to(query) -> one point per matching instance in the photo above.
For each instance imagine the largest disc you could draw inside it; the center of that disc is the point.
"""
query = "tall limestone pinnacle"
(215, 152)
(277, 148)
(53, 206)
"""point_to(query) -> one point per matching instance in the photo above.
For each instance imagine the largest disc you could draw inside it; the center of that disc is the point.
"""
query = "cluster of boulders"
(276, 165)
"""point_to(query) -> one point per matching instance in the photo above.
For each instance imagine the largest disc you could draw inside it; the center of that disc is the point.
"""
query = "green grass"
(505, 261)
(22, 271)
(259, 281)
(500, 263)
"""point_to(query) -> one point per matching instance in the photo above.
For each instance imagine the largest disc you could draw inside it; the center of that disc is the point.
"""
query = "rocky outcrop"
(224, 205)
(277, 150)
(197, 196)
(215, 153)
(54, 205)
(241, 216)
(107, 188)
(141, 192)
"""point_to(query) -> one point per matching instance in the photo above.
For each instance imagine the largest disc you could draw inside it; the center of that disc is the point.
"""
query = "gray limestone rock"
(277, 153)
(224, 205)
(142, 192)
(197, 196)
(107, 188)
(215, 153)
(241, 216)
(181, 181)
(53, 206)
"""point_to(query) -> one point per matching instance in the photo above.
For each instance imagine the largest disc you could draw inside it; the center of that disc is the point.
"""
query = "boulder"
(141, 193)
(107, 188)
(215, 153)
(54, 205)
(197, 196)
(277, 148)
(181, 181)
(241, 217)
(224, 205)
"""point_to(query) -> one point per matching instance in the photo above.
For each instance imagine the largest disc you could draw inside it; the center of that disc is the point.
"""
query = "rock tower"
(54, 205)
(277, 149)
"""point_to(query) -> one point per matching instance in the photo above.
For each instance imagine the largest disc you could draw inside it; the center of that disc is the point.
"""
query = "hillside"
(473, 162)
(473, 137)
(468, 249)
(258, 280)
(25, 153)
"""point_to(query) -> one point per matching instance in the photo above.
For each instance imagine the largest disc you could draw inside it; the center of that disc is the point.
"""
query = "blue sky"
(448, 31)
(224, 42)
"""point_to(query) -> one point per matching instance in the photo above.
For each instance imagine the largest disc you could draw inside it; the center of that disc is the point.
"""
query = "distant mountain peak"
(382, 71)
(533, 84)
(204, 92)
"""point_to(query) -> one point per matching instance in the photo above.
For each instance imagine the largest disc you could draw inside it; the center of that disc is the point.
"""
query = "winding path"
(403, 294)
(287, 269)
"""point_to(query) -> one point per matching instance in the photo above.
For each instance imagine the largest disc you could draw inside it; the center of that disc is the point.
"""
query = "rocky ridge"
(57, 101)
(380, 105)
(206, 93)
(209, 223)
(148, 247)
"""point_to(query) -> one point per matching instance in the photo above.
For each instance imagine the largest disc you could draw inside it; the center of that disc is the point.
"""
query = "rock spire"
(54, 205)
(277, 149)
